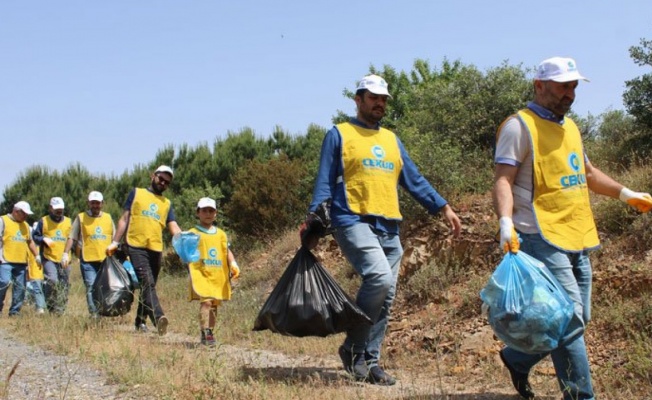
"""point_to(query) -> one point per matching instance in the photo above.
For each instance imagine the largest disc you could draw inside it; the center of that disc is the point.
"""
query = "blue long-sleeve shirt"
(327, 185)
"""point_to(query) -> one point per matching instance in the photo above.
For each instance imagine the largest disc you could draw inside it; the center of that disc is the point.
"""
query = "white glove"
(111, 248)
(65, 260)
(508, 236)
(641, 201)
(38, 259)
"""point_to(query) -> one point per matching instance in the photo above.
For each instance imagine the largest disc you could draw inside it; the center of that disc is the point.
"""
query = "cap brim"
(381, 93)
(574, 76)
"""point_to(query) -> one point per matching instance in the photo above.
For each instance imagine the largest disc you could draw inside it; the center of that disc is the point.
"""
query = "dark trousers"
(147, 264)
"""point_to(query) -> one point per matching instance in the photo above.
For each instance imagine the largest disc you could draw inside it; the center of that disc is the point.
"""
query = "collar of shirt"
(545, 113)
(200, 228)
(359, 123)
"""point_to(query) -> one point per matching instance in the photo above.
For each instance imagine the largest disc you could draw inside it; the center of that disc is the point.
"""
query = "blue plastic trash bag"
(528, 308)
(186, 245)
(132, 273)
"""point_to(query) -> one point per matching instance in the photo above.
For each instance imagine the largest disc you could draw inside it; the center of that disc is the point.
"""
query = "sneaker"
(40, 311)
(207, 338)
(162, 325)
(519, 380)
(379, 377)
(141, 328)
(354, 364)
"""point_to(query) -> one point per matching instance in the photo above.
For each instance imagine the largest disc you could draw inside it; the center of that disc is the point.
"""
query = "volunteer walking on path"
(210, 277)
(15, 243)
(361, 166)
(50, 234)
(92, 231)
(542, 182)
(35, 277)
(146, 213)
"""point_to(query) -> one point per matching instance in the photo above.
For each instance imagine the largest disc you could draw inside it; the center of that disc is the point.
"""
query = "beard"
(156, 188)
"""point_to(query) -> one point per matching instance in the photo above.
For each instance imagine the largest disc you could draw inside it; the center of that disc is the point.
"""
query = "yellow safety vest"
(96, 234)
(58, 232)
(372, 165)
(560, 196)
(14, 241)
(209, 277)
(147, 219)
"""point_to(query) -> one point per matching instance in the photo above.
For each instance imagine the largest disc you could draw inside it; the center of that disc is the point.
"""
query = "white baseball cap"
(24, 207)
(206, 202)
(375, 84)
(95, 196)
(558, 69)
(57, 203)
(164, 168)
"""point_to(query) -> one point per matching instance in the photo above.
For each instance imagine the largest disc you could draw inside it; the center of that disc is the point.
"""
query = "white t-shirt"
(515, 148)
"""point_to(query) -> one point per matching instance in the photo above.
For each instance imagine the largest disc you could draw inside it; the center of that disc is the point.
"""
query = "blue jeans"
(16, 274)
(57, 284)
(376, 256)
(35, 291)
(89, 272)
(574, 273)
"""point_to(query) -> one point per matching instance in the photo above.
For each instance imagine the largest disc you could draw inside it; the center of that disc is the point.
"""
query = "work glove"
(65, 260)
(509, 240)
(235, 271)
(38, 259)
(112, 248)
(641, 201)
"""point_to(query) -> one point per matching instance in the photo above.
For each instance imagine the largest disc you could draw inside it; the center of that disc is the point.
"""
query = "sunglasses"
(163, 181)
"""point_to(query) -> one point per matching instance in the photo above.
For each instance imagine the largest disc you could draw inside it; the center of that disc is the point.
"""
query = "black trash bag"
(112, 293)
(307, 301)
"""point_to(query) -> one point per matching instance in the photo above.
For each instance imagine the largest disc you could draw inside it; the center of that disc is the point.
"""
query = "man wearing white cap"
(51, 234)
(541, 195)
(361, 166)
(146, 213)
(15, 242)
(92, 231)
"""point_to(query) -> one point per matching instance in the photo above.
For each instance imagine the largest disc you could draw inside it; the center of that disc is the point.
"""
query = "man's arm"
(122, 226)
(601, 183)
(37, 233)
(173, 228)
(503, 197)
(74, 235)
(327, 172)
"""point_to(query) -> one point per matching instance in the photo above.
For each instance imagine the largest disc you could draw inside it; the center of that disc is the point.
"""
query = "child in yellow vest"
(210, 277)
(35, 283)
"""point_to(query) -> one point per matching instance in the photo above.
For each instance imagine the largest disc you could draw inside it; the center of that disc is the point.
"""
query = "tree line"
(446, 116)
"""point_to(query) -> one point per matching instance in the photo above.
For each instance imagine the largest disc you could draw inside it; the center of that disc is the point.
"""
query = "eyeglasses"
(163, 181)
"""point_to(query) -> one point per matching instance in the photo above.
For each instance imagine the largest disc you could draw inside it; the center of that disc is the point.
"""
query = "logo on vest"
(58, 236)
(98, 235)
(18, 237)
(378, 161)
(212, 261)
(575, 179)
(152, 212)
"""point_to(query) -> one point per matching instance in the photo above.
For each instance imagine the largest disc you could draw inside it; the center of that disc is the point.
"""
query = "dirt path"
(41, 374)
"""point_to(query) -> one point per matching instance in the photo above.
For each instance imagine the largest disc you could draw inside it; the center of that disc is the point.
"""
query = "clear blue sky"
(108, 83)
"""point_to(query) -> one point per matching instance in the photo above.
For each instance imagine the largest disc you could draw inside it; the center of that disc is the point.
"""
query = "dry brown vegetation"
(438, 344)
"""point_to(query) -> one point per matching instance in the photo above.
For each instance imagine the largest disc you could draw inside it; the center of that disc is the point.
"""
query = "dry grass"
(437, 346)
